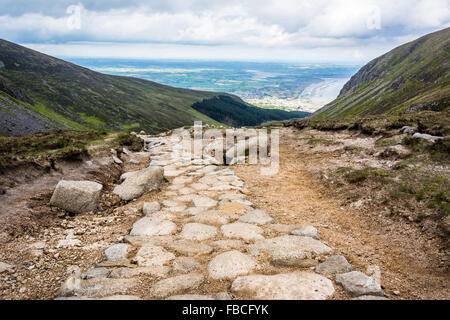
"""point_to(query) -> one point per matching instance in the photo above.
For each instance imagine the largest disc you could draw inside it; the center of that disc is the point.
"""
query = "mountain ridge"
(412, 77)
(39, 92)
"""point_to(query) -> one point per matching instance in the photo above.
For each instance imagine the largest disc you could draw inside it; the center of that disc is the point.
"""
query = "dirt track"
(413, 265)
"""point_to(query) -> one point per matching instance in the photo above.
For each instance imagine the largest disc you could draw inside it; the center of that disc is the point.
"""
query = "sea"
(288, 86)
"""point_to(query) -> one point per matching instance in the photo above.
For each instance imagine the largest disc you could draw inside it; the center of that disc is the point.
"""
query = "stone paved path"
(206, 241)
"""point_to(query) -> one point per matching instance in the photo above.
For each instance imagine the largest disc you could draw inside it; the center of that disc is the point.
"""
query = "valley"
(286, 86)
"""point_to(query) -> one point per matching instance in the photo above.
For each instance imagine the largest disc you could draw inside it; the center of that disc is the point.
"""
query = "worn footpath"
(207, 241)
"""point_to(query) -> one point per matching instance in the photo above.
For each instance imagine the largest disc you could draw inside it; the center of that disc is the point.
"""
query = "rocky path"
(207, 241)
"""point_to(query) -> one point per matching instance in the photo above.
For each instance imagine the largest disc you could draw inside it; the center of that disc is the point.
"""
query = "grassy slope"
(82, 98)
(412, 77)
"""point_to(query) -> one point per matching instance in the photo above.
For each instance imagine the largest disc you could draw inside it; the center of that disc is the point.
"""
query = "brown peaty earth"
(413, 264)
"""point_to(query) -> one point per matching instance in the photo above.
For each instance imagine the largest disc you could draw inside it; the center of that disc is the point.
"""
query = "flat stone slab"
(190, 248)
(139, 241)
(258, 217)
(126, 175)
(288, 286)
(231, 264)
(282, 228)
(244, 202)
(358, 284)
(204, 202)
(198, 231)
(208, 169)
(334, 265)
(185, 265)
(150, 255)
(95, 273)
(209, 180)
(152, 226)
(294, 263)
(225, 172)
(242, 231)
(164, 215)
(222, 187)
(96, 287)
(76, 196)
(128, 273)
(169, 203)
(306, 231)
(150, 208)
(182, 180)
(231, 196)
(291, 247)
(5, 267)
(228, 244)
(117, 160)
(117, 252)
(171, 286)
(215, 217)
(199, 186)
(177, 209)
(185, 191)
(194, 211)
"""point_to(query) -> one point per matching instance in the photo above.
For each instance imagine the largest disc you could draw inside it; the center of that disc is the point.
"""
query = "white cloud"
(362, 26)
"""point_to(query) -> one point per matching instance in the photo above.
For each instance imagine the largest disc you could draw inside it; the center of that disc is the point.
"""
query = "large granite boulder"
(76, 196)
(142, 181)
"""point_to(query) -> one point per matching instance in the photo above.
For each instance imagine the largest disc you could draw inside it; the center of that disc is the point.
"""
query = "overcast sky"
(268, 30)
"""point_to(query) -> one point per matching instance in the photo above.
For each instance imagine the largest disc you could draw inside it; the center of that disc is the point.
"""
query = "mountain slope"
(66, 95)
(412, 77)
(39, 93)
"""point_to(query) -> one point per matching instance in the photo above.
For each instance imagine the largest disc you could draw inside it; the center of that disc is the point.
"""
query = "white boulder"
(76, 196)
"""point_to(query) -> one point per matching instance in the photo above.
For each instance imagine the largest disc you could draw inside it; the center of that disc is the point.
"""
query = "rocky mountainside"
(412, 77)
(39, 93)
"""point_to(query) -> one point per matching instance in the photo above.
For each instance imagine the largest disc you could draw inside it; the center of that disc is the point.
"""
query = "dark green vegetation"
(408, 186)
(130, 141)
(62, 145)
(355, 176)
(430, 122)
(433, 192)
(410, 78)
(66, 95)
(234, 113)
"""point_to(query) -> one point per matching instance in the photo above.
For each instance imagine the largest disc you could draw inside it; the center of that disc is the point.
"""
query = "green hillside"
(39, 93)
(412, 77)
